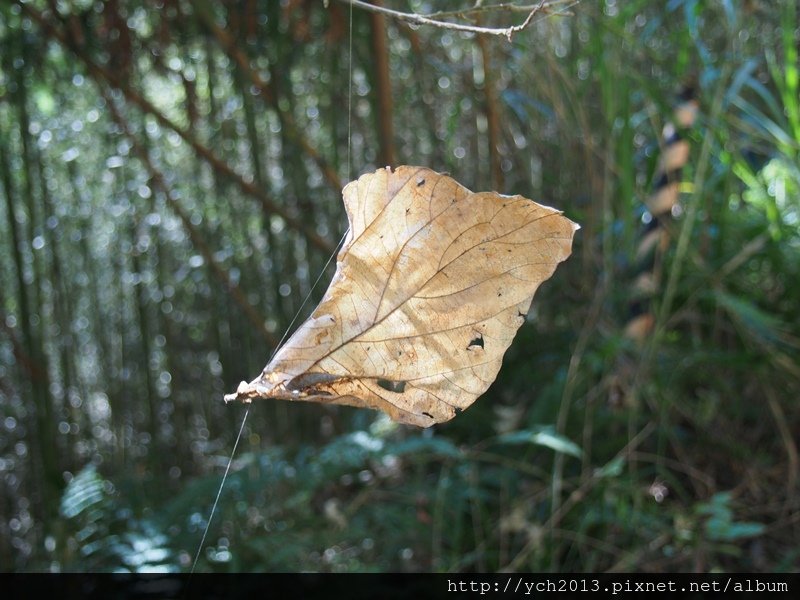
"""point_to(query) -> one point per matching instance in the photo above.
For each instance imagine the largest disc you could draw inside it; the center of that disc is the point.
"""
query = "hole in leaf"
(476, 342)
(421, 181)
(398, 387)
(429, 415)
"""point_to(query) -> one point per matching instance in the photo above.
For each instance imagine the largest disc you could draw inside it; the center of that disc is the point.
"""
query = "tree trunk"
(383, 89)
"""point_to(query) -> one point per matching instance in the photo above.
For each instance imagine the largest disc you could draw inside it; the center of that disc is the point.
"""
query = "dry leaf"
(431, 285)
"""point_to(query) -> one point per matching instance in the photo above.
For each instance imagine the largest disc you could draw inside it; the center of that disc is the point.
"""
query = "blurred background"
(170, 181)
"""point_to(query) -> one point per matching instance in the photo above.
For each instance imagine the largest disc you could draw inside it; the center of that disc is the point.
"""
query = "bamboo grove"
(171, 175)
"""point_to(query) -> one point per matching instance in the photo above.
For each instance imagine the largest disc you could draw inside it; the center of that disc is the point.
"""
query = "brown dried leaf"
(431, 285)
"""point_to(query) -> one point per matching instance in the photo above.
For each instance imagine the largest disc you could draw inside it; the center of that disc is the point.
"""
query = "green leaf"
(727, 532)
(84, 491)
(612, 468)
(765, 326)
(543, 436)
(720, 525)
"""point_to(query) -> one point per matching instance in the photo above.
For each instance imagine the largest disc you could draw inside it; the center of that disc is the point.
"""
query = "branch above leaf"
(435, 19)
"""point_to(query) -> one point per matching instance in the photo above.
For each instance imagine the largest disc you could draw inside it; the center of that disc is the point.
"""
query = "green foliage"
(365, 502)
(543, 436)
(105, 534)
(720, 525)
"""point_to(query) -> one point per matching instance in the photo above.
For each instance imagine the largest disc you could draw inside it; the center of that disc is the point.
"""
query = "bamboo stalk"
(197, 239)
(102, 74)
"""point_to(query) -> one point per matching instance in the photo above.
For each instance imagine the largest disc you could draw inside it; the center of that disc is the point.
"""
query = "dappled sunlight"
(171, 190)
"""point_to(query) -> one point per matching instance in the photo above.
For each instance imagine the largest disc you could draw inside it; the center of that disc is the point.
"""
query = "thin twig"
(588, 330)
(792, 455)
(508, 32)
(577, 495)
(503, 6)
